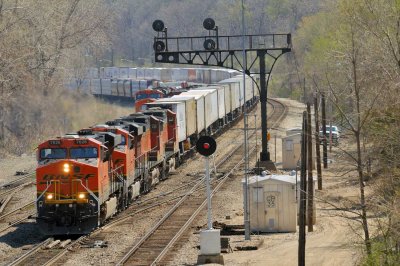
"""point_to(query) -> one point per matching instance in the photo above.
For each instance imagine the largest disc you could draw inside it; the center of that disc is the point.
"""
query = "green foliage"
(381, 255)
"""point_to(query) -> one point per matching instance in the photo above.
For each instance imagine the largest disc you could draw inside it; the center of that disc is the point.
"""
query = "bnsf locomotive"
(86, 177)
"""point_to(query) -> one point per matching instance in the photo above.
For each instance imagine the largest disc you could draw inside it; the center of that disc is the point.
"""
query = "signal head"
(209, 24)
(158, 25)
(209, 44)
(206, 145)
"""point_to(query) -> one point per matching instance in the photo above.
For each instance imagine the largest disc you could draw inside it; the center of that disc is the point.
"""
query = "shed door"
(271, 210)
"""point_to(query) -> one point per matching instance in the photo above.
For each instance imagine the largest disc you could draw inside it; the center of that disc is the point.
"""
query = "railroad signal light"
(206, 145)
(209, 44)
(158, 25)
(209, 24)
(268, 136)
(159, 46)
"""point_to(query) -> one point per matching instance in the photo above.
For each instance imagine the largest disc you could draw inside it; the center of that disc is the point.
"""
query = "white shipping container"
(179, 74)
(127, 88)
(221, 100)
(200, 109)
(105, 86)
(165, 74)
(124, 72)
(210, 104)
(115, 72)
(114, 87)
(148, 73)
(227, 101)
(191, 112)
(132, 73)
(107, 72)
(249, 88)
(95, 86)
(235, 93)
(179, 109)
(143, 84)
(214, 75)
(157, 73)
(140, 73)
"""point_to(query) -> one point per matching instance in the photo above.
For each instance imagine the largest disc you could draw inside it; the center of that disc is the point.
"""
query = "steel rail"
(63, 252)
(17, 209)
(17, 180)
(30, 252)
(11, 190)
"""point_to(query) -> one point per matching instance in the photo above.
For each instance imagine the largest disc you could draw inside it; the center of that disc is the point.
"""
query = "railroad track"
(45, 253)
(152, 248)
(187, 205)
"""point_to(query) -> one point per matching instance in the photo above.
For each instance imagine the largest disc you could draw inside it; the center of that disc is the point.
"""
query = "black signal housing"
(206, 145)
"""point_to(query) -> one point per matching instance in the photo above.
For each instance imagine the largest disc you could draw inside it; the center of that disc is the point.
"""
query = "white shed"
(291, 151)
(272, 201)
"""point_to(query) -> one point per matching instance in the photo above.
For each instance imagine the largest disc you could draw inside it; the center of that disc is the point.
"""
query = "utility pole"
(304, 91)
(310, 181)
(302, 207)
(317, 142)
(325, 148)
(246, 155)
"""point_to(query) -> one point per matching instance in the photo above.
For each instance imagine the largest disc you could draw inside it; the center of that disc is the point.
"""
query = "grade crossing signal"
(206, 145)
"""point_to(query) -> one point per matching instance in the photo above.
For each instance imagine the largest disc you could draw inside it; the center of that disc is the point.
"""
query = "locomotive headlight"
(49, 196)
(81, 195)
(66, 168)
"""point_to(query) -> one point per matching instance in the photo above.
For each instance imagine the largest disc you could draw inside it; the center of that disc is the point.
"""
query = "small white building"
(272, 201)
(291, 151)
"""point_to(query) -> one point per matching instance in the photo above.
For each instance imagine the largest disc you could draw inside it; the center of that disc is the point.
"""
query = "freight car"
(86, 177)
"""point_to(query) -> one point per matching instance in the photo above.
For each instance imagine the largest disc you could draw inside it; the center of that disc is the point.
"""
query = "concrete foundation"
(266, 165)
(207, 259)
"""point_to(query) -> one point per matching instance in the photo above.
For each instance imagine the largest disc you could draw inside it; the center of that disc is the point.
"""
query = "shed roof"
(283, 178)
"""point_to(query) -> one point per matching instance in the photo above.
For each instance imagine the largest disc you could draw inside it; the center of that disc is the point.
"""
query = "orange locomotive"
(75, 182)
(85, 178)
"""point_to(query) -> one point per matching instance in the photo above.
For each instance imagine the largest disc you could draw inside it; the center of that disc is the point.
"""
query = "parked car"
(335, 134)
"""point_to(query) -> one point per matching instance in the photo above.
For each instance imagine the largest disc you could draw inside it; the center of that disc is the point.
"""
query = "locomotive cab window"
(57, 153)
(123, 141)
(87, 152)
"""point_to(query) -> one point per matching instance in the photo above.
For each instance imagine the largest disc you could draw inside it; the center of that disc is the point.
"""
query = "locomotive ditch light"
(49, 196)
(206, 145)
(66, 168)
(82, 196)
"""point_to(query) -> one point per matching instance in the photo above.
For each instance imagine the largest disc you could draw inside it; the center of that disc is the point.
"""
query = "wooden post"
(302, 207)
(325, 148)
(310, 181)
(317, 142)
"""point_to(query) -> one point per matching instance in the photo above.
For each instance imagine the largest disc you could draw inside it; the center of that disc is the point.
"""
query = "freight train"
(86, 177)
